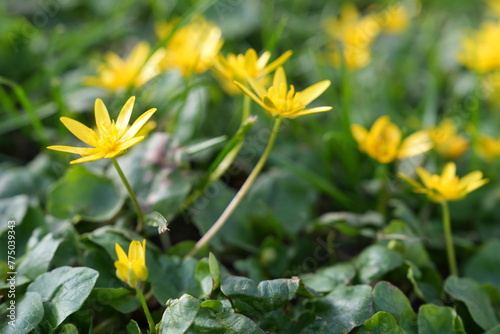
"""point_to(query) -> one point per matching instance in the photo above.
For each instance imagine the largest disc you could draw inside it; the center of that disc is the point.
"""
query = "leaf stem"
(241, 193)
(152, 328)
(450, 249)
(140, 213)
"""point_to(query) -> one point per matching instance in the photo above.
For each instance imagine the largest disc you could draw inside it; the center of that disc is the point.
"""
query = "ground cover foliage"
(356, 222)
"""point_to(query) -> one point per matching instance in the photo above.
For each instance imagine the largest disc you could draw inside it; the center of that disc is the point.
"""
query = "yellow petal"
(415, 144)
(257, 87)
(75, 150)
(449, 173)
(425, 177)
(121, 270)
(94, 157)
(410, 181)
(135, 251)
(359, 133)
(138, 56)
(278, 62)
(124, 116)
(138, 124)
(311, 93)
(249, 93)
(122, 146)
(122, 257)
(85, 134)
(262, 61)
(141, 271)
(101, 115)
(311, 111)
(279, 79)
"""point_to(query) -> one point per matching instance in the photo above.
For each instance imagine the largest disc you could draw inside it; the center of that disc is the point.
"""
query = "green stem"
(241, 193)
(151, 323)
(140, 214)
(448, 236)
(246, 109)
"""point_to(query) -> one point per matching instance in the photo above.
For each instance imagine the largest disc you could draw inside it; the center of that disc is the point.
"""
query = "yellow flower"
(111, 138)
(383, 141)
(494, 7)
(352, 36)
(394, 19)
(447, 142)
(240, 67)
(447, 186)
(280, 101)
(480, 50)
(488, 147)
(192, 48)
(132, 269)
(134, 71)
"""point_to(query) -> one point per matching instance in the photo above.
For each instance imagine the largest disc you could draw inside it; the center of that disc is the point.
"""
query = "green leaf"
(214, 270)
(119, 298)
(495, 330)
(433, 319)
(85, 195)
(157, 220)
(329, 278)
(179, 315)
(173, 277)
(475, 298)
(427, 283)
(388, 298)
(400, 237)
(63, 291)
(12, 209)
(376, 261)
(381, 323)
(68, 329)
(133, 327)
(37, 261)
(207, 321)
(28, 314)
(214, 305)
(203, 277)
(342, 310)
(483, 267)
(251, 299)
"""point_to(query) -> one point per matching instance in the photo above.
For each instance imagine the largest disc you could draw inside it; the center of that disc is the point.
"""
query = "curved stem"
(448, 236)
(151, 323)
(140, 214)
(241, 193)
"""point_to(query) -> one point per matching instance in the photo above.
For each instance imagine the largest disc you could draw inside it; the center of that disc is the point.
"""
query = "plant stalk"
(140, 213)
(152, 328)
(448, 236)
(241, 193)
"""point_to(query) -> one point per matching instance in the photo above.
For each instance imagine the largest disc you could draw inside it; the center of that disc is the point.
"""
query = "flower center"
(108, 137)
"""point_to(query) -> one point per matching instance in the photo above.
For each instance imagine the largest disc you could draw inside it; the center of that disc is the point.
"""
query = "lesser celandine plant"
(443, 188)
(280, 101)
(109, 140)
(117, 74)
(192, 48)
(446, 141)
(384, 142)
(132, 270)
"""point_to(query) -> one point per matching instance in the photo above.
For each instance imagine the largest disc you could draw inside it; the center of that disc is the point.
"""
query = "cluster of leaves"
(304, 253)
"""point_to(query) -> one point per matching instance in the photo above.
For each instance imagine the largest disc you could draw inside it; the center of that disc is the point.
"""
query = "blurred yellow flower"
(280, 101)
(240, 67)
(394, 19)
(192, 48)
(383, 142)
(134, 71)
(494, 7)
(480, 50)
(488, 147)
(446, 141)
(111, 138)
(352, 36)
(132, 269)
(447, 186)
